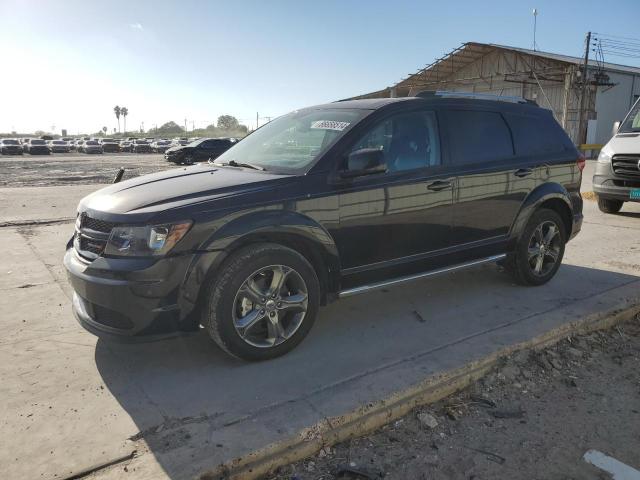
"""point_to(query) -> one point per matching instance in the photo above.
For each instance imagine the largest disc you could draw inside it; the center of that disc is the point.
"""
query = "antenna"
(535, 25)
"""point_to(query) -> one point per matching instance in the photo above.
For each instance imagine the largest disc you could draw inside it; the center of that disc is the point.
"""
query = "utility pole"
(535, 24)
(185, 126)
(582, 131)
(257, 120)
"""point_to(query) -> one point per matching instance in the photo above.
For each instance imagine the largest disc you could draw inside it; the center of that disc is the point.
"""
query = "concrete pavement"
(184, 407)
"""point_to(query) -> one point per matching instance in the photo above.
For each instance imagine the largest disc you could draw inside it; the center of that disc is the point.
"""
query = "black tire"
(188, 159)
(524, 266)
(608, 205)
(222, 303)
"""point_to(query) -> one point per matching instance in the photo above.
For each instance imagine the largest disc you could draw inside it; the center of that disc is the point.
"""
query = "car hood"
(175, 149)
(158, 192)
(624, 143)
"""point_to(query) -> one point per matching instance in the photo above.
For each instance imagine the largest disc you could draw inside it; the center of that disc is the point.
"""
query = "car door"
(491, 183)
(387, 220)
(219, 147)
(202, 152)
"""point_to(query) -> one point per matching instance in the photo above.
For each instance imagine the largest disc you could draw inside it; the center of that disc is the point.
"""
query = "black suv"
(199, 150)
(323, 203)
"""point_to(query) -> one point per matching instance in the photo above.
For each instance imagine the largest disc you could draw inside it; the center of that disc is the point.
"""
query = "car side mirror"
(366, 161)
(616, 127)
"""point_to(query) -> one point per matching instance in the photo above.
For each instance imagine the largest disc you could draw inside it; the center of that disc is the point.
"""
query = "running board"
(388, 283)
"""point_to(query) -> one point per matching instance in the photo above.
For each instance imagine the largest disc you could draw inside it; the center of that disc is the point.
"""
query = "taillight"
(581, 162)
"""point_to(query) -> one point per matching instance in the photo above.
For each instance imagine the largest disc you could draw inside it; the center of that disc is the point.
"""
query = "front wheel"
(607, 205)
(539, 250)
(262, 303)
(188, 159)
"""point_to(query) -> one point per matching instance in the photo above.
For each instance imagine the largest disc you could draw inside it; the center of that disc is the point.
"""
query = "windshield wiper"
(233, 163)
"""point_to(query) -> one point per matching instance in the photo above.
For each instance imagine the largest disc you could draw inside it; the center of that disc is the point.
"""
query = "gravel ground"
(75, 168)
(533, 418)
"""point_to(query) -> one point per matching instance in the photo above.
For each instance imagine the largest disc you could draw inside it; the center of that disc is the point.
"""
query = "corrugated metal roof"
(566, 58)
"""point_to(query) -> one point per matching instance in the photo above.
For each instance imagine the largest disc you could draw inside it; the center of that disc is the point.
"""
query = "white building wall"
(613, 103)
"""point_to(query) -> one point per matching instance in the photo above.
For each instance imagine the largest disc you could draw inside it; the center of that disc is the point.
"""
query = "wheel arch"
(287, 228)
(549, 195)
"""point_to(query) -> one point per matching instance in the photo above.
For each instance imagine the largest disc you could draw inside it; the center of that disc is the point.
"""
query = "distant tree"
(124, 111)
(104, 129)
(169, 128)
(227, 122)
(117, 111)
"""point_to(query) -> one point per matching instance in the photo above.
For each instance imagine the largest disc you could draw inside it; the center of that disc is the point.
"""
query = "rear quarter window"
(478, 137)
(536, 135)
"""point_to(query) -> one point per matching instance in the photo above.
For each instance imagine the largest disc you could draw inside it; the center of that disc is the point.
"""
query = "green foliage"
(227, 122)
(169, 128)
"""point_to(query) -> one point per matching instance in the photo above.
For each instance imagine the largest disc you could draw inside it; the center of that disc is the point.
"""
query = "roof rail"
(473, 95)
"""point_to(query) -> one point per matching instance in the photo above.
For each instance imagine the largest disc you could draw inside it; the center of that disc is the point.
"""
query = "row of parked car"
(39, 146)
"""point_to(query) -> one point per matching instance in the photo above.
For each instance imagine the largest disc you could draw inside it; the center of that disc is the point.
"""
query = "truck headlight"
(604, 157)
(145, 241)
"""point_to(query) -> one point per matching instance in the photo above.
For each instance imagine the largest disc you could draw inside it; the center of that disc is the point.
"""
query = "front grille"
(94, 224)
(626, 165)
(111, 318)
(92, 245)
(92, 235)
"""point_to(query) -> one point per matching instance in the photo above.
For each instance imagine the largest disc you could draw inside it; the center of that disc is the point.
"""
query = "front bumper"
(39, 151)
(130, 299)
(607, 184)
(11, 151)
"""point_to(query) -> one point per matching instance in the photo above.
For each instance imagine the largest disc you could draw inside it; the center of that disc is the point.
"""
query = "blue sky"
(74, 60)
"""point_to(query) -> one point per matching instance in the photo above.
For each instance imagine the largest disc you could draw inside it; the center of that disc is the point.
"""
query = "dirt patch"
(74, 168)
(535, 416)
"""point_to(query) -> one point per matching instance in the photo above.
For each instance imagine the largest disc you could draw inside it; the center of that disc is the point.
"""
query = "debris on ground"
(534, 416)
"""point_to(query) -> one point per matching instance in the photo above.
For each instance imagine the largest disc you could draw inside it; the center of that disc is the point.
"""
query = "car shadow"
(168, 385)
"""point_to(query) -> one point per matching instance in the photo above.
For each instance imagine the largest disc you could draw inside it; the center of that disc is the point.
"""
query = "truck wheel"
(539, 250)
(262, 303)
(608, 205)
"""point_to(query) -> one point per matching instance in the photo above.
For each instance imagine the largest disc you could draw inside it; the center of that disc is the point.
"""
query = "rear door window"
(535, 135)
(477, 137)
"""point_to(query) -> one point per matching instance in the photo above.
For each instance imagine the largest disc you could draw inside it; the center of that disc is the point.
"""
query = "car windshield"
(38, 142)
(58, 142)
(92, 142)
(10, 142)
(632, 122)
(293, 142)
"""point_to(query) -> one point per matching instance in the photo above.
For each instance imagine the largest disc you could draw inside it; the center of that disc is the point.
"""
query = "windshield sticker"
(330, 125)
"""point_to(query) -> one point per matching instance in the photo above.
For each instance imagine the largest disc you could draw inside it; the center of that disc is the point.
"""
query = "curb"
(373, 416)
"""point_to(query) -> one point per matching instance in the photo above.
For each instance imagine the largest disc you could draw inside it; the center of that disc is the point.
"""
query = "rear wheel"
(608, 205)
(262, 303)
(539, 250)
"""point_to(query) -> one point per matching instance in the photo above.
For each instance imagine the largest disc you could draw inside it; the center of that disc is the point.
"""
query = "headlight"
(604, 157)
(149, 240)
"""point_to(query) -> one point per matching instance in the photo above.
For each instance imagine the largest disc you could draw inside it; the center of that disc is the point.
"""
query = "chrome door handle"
(523, 172)
(439, 185)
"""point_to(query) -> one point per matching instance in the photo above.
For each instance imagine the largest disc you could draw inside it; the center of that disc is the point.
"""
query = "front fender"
(264, 225)
(539, 195)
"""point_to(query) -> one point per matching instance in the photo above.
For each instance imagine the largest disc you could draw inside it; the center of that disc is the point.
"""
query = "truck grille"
(626, 165)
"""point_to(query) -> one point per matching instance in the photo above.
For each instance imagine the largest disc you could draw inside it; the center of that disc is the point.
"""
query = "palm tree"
(124, 111)
(117, 111)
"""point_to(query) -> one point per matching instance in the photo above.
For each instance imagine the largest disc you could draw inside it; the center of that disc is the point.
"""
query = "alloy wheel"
(544, 248)
(270, 306)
